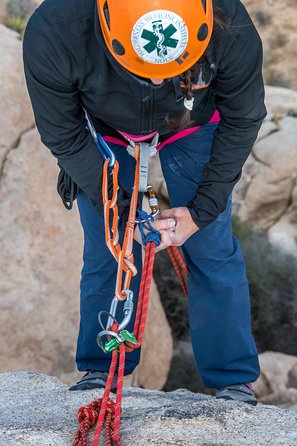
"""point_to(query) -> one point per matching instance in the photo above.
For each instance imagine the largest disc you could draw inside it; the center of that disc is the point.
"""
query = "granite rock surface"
(40, 411)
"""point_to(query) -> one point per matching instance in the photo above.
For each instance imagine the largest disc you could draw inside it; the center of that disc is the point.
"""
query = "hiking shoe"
(94, 380)
(238, 392)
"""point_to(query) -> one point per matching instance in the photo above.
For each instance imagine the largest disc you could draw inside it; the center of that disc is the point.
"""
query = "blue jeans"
(219, 307)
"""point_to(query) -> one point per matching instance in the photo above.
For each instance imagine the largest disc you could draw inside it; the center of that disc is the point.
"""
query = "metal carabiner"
(110, 154)
(114, 335)
(154, 205)
(128, 311)
(153, 201)
(103, 148)
(112, 313)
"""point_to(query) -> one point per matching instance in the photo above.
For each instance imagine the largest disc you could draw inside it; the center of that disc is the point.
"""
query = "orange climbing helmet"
(156, 38)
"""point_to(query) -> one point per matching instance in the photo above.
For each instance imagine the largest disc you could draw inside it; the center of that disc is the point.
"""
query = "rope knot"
(144, 223)
(87, 413)
(110, 407)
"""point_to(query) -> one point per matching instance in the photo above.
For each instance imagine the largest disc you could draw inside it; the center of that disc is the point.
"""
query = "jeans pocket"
(183, 167)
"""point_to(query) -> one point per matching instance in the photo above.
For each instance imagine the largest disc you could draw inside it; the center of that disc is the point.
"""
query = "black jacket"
(68, 67)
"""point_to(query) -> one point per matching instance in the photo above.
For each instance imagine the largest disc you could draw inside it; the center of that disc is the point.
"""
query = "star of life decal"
(159, 37)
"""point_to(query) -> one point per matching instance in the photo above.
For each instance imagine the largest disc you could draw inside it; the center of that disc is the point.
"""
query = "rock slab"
(39, 410)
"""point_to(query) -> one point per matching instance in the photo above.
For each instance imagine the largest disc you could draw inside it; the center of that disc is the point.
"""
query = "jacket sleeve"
(240, 102)
(56, 104)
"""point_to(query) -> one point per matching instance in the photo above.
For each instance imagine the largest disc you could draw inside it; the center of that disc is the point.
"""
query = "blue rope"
(145, 224)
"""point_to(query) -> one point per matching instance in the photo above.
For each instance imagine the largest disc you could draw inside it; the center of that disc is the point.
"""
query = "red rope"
(144, 292)
(179, 266)
(104, 409)
(87, 417)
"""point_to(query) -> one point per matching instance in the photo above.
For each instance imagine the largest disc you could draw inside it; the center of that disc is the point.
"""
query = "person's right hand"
(166, 227)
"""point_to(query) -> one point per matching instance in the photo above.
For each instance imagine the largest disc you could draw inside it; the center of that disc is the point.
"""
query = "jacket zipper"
(147, 108)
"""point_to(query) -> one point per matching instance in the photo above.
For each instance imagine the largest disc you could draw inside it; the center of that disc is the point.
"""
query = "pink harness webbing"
(139, 138)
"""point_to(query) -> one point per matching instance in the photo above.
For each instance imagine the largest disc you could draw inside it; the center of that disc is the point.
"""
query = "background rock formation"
(278, 380)
(267, 193)
(276, 21)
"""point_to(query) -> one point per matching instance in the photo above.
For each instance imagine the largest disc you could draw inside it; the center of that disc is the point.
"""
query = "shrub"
(275, 78)
(278, 40)
(17, 14)
(16, 23)
(272, 74)
(20, 8)
(263, 18)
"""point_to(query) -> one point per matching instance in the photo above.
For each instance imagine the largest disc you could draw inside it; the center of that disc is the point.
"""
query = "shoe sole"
(89, 385)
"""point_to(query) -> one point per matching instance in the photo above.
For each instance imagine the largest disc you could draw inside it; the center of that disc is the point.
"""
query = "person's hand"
(175, 235)
(166, 228)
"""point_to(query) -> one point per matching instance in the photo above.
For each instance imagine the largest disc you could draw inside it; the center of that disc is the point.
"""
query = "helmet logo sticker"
(159, 37)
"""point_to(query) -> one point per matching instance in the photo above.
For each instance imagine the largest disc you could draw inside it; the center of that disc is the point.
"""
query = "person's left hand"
(184, 226)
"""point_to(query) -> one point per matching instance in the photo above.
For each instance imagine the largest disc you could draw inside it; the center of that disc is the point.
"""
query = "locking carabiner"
(153, 201)
(154, 205)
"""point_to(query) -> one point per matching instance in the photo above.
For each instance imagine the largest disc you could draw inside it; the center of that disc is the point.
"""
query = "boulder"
(292, 377)
(284, 232)
(15, 109)
(2, 10)
(39, 410)
(39, 282)
(266, 195)
(275, 369)
(270, 192)
(281, 101)
(283, 398)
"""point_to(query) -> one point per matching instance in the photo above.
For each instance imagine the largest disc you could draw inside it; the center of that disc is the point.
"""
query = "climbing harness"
(114, 338)
(146, 151)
